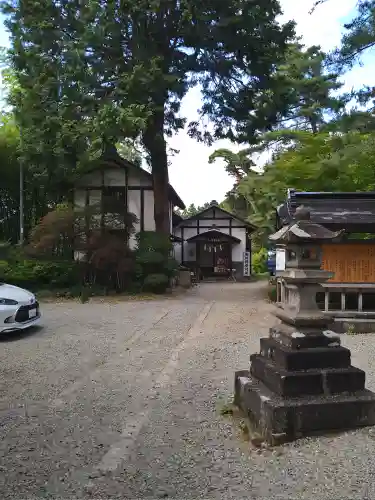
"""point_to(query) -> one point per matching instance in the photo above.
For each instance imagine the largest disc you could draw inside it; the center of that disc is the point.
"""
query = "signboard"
(246, 263)
(280, 259)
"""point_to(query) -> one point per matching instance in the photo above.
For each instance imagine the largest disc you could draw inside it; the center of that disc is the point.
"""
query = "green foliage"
(41, 274)
(359, 34)
(307, 89)
(153, 241)
(156, 283)
(3, 269)
(154, 266)
(86, 76)
(192, 210)
(259, 261)
(326, 161)
(107, 259)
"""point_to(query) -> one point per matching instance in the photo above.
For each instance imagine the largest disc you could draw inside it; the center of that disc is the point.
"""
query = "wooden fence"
(351, 262)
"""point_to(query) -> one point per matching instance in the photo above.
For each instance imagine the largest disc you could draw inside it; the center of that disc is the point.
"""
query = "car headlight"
(8, 302)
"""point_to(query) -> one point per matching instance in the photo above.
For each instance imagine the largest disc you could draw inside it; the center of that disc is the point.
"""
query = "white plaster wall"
(189, 232)
(190, 251)
(240, 248)
(236, 222)
(134, 206)
(138, 178)
(149, 223)
(92, 179)
(79, 198)
(95, 196)
(114, 177)
(177, 251)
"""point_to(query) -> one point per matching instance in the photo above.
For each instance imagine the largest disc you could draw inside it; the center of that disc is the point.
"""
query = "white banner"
(280, 259)
(246, 263)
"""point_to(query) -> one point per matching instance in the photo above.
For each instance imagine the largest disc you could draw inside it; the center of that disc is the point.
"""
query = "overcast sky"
(193, 178)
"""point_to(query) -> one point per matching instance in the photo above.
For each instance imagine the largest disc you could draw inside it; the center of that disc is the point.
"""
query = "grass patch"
(227, 409)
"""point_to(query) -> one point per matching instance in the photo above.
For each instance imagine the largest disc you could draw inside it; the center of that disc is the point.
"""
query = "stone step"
(304, 359)
(308, 382)
(283, 419)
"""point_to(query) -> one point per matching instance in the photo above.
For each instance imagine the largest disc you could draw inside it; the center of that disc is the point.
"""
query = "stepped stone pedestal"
(303, 381)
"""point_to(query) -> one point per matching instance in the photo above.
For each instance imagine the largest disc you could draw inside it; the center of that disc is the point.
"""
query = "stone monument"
(303, 381)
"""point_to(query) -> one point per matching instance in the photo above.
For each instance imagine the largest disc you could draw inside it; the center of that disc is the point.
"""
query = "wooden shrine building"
(350, 295)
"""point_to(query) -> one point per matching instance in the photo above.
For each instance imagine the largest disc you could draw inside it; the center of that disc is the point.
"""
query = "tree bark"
(153, 138)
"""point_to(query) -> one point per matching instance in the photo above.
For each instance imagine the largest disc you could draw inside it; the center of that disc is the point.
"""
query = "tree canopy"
(84, 76)
(90, 73)
(324, 140)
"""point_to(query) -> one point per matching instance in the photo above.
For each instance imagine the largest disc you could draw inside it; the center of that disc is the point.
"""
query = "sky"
(195, 180)
(190, 173)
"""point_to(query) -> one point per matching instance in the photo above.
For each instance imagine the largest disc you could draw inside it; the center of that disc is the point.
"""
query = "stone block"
(304, 359)
(283, 382)
(349, 380)
(301, 340)
(280, 419)
(307, 382)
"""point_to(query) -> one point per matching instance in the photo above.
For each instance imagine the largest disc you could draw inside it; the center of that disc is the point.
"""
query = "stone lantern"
(302, 380)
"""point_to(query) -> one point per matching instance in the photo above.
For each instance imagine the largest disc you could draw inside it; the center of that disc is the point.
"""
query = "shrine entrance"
(214, 254)
(214, 259)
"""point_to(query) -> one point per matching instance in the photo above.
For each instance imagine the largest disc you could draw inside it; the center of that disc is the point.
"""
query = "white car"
(19, 308)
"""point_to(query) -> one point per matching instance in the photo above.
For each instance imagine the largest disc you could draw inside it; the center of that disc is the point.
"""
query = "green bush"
(259, 261)
(31, 273)
(171, 267)
(151, 241)
(154, 265)
(156, 283)
(5, 249)
(3, 268)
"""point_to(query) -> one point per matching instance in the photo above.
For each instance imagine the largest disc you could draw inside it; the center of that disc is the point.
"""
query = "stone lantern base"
(301, 384)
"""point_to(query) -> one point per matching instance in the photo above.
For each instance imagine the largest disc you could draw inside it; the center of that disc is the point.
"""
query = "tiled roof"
(339, 209)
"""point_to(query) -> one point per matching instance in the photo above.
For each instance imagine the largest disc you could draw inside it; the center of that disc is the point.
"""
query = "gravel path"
(123, 401)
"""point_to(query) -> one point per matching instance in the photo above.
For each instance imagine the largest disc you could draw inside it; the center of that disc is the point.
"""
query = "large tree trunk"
(156, 146)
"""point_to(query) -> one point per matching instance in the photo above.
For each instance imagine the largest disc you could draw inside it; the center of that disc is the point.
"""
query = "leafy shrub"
(156, 283)
(3, 268)
(5, 249)
(259, 261)
(36, 273)
(108, 260)
(171, 267)
(154, 265)
(152, 241)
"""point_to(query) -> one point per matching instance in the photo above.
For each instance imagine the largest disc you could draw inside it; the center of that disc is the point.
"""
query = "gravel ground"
(123, 401)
